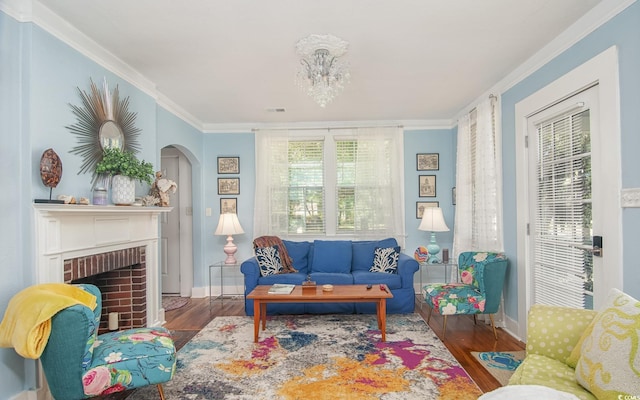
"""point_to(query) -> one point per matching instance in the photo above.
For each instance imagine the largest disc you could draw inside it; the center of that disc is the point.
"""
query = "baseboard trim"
(512, 326)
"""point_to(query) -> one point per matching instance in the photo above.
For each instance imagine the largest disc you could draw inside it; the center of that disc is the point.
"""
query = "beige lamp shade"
(229, 225)
(433, 220)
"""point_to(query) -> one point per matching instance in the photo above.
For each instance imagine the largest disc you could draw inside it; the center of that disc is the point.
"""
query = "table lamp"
(229, 225)
(433, 221)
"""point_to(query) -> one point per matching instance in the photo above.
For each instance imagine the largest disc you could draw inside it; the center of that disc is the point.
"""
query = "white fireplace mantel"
(65, 232)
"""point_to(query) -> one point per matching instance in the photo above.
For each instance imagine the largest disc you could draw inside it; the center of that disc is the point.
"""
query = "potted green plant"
(124, 169)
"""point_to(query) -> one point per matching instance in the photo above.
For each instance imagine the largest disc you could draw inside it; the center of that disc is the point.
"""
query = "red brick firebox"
(121, 277)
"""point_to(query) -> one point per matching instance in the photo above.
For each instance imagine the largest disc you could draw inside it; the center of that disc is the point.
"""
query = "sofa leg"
(493, 325)
(161, 391)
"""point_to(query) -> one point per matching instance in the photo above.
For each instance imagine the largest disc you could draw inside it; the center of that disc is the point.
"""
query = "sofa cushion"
(294, 278)
(299, 253)
(609, 360)
(385, 260)
(333, 278)
(554, 331)
(363, 252)
(332, 256)
(393, 281)
(540, 370)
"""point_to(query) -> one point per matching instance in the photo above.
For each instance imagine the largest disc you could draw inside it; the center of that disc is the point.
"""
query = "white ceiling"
(224, 63)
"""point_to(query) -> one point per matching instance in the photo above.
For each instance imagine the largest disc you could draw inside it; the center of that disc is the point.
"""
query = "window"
(333, 182)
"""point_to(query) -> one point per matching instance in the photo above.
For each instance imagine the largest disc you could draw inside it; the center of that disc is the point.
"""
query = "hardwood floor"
(463, 336)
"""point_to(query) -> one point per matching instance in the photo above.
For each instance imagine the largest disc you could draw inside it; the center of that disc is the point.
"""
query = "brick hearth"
(121, 277)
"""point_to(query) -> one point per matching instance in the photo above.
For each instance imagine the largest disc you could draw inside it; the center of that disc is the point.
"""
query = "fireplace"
(121, 277)
(113, 247)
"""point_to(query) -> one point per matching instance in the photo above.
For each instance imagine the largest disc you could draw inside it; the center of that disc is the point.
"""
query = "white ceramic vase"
(123, 190)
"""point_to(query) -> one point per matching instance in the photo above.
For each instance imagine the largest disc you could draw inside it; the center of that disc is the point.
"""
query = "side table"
(222, 267)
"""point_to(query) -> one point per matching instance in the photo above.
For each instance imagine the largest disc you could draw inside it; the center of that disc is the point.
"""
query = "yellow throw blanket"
(27, 321)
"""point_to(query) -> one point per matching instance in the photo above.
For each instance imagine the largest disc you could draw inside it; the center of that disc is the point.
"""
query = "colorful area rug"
(500, 364)
(316, 357)
(174, 302)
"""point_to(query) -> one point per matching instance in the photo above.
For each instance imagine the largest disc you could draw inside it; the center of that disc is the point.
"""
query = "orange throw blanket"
(26, 325)
(270, 241)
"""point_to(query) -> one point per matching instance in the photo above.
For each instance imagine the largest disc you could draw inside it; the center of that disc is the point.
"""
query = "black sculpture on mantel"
(50, 172)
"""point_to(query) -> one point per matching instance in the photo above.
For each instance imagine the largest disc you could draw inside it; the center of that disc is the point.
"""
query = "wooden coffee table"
(339, 294)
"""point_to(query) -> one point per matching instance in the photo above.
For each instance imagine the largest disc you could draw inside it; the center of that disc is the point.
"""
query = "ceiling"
(226, 63)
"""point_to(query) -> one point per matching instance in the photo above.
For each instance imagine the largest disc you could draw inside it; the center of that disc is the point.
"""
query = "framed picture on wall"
(427, 186)
(228, 165)
(428, 161)
(229, 205)
(421, 205)
(228, 186)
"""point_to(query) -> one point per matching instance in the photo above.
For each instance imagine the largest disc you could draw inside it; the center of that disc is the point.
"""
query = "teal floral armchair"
(78, 363)
(481, 278)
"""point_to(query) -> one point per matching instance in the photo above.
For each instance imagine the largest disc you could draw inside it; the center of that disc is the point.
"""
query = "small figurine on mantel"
(161, 188)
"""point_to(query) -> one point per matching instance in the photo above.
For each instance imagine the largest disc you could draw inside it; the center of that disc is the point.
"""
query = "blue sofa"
(336, 262)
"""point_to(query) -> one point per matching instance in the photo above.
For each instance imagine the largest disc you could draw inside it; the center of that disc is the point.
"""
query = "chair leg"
(161, 391)
(444, 327)
(429, 314)
(493, 325)
(475, 320)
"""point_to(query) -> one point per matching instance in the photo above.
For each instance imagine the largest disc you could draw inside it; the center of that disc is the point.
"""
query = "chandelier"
(321, 75)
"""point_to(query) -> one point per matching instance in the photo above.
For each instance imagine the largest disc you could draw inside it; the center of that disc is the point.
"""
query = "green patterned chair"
(590, 354)
(78, 363)
(481, 278)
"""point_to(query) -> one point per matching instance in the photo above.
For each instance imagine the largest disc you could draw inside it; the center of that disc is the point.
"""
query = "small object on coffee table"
(281, 288)
(327, 288)
(383, 288)
(369, 286)
(308, 285)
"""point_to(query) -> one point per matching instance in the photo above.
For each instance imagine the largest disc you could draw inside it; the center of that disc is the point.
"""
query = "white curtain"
(379, 178)
(478, 220)
(272, 178)
(380, 184)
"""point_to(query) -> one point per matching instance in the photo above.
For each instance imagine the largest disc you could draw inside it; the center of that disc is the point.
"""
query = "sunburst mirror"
(102, 121)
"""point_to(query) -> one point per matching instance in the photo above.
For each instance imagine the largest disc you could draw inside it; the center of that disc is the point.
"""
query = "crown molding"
(592, 20)
(407, 125)
(65, 32)
(168, 104)
(20, 10)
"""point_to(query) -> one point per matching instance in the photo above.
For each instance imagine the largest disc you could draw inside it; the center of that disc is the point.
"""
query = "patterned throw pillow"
(609, 359)
(385, 260)
(268, 260)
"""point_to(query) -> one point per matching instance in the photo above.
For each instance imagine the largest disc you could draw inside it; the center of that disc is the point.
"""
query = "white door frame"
(603, 70)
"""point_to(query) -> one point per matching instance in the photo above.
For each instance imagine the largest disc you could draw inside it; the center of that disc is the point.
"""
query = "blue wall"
(15, 255)
(624, 32)
(228, 145)
(443, 142)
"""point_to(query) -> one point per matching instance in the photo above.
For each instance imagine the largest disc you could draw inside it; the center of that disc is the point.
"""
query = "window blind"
(562, 270)
(306, 186)
(361, 178)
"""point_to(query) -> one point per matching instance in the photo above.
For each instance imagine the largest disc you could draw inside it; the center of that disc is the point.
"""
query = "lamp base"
(433, 250)
(230, 250)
